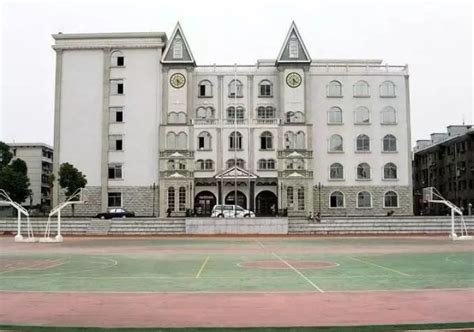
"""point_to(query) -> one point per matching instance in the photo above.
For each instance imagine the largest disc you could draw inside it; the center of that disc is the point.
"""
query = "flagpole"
(235, 136)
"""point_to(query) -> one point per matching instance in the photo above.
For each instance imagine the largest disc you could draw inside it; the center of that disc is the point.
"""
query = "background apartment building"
(446, 162)
(39, 160)
(291, 135)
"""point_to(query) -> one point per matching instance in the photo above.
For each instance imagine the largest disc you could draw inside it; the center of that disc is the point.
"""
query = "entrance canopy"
(235, 172)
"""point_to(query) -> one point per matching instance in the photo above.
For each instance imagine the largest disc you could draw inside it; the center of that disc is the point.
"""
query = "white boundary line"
(243, 292)
(202, 267)
(301, 274)
(380, 266)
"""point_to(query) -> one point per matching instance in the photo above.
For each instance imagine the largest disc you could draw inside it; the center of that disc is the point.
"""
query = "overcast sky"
(433, 37)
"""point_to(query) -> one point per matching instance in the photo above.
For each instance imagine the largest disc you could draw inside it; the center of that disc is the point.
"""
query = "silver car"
(231, 211)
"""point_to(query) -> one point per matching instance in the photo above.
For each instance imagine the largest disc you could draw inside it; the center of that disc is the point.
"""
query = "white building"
(292, 135)
(39, 160)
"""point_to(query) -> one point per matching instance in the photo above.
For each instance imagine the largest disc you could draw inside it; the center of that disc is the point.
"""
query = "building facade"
(446, 162)
(39, 160)
(161, 134)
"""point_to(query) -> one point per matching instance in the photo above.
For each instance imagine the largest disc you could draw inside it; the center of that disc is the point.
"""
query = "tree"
(15, 183)
(5, 155)
(71, 179)
(18, 165)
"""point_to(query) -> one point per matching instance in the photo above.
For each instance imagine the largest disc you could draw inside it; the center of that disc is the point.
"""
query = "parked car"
(115, 213)
(231, 211)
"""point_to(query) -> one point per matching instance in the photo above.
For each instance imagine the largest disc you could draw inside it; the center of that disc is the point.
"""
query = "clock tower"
(176, 134)
(295, 151)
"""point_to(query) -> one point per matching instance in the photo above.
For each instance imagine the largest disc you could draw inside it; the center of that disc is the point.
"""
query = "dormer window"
(293, 47)
(178, 48)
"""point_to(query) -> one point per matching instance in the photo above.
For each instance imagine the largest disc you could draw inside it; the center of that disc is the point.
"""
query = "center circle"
(280, 265)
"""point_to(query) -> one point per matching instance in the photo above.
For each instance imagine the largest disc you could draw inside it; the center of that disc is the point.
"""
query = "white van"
(231, 211)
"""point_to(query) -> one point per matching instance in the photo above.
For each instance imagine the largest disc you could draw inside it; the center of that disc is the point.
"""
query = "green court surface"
(248, 264)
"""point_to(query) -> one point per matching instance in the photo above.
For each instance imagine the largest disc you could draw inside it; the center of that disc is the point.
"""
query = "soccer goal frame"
(78, 197)
(6, 200)
(431, 195)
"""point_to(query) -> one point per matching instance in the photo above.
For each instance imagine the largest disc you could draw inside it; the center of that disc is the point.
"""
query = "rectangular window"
(115, 143)
(115, 200)
(115, 171)
(116, 87)
(116, 114)
(202, 90)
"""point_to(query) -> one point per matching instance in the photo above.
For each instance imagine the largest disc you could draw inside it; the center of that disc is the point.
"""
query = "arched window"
(361, 89)
(293, 47)
(295, 163)
(387, 89)
(334, 89)
(262, 164)
(171, 164)
(301, 199)
(205, 113)
(182, 164)
(209, 164)
(181, 117)
(336, 200)
(388, 116)
(390, 171)
(364, 199)
(235, 141)
(265, 89)
(171, 141)
(363, 171)
(290, 116)
(390, 199)
(204, 141)
(362, 115)
(298, 117)
(235, 88)
(181, 141)
(271, 164)
(200, 164)
(232, 113)
(363, 143)
(335, 115)
(266, 141)
(117, 59)
(389, 143)
(178, 48)
(300, 140)
(182, 199)
(231, 162)
(205, 88)
(336, 143)
(171, 198)
(174, 117)
(290, 198)
(336, 172)
(289, 140)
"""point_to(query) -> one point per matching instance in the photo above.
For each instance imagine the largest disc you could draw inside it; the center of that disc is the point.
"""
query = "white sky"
(433, 37)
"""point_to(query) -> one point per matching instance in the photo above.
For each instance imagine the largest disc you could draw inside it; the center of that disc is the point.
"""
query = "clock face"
(177, 80)
(293, 80)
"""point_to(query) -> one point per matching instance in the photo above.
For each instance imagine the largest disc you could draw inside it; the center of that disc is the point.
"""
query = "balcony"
(295, 173)
(231, 122)
(291, 153)
(173, 153)
(178, 173)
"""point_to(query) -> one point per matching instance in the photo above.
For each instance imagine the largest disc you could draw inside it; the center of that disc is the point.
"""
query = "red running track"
(235, 309)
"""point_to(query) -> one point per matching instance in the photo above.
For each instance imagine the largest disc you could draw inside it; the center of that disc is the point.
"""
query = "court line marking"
(241, 292)
(457, 261)
(380, 266)
(260, 244)
(301, 274)
(202, 267)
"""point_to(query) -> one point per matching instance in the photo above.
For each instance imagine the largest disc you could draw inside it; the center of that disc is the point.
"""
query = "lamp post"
(153, 187)
(319, 187)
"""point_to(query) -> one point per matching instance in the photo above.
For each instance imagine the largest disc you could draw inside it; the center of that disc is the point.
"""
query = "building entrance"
(241, 199)
(204, 202)
(266, 203)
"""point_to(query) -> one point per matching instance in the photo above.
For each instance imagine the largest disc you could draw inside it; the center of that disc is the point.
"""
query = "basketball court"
(237, 282)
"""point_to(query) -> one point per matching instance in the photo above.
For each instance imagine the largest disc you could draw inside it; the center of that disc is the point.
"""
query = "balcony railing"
(235, 122)
(288, 153)
(168, 153)
(176, 173)
(303, 173)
